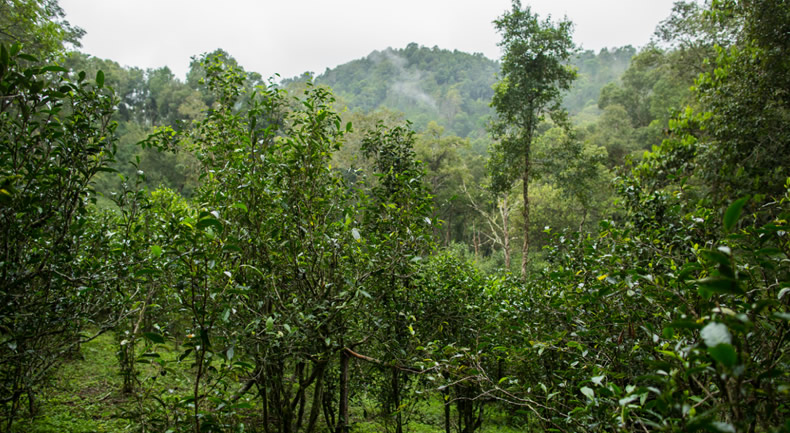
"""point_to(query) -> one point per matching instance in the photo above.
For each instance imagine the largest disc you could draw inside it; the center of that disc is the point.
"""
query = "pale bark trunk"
(525, 247)
(505, 211)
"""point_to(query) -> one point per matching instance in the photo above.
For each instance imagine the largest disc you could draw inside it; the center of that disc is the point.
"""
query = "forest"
(420, 240)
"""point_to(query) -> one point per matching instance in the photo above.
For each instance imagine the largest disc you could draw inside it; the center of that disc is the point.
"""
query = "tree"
(692, 36)
(38, 25)
(746, 147)
(655, 84)
(534, 74)
(55, 136)
(734, 140)
(444, 174)
(397, 229)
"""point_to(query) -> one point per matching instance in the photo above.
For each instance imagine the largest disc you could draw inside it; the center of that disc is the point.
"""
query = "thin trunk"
(446, 396)
(469, 416)
(584, 218)
(342, 421)
(264, 404)
(286, 412)
(525, 247)
(31, 402)
(505, 211)
(196, 390)
(475, 242)
(300, 398)
(396, 400)
(479, 422)
(13, 410)
(127, 351)
(315, 407)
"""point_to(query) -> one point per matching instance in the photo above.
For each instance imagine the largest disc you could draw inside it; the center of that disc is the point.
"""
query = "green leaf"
(770, 252)
(684, 324)
(717, 285)
(156, 250)
(204, 339)
(145, 271)
(588, 392)
(716, 256)
(184, 355)
(209, 222)
(733, 213)
(257, 271)
(54, 68)
(231, 247)
(100, 78)
(724, 353)
(154, 337)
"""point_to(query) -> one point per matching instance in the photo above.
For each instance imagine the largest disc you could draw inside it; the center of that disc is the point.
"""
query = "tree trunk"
(446, 396)
(505, 212)
(32, 402)
(261, 385)
(342, 421)
(525, 247)
(475, 242)
(315, 407)
(396, 400)
(199, 357)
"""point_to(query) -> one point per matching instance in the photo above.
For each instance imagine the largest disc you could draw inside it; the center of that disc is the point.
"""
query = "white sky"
(290, 37)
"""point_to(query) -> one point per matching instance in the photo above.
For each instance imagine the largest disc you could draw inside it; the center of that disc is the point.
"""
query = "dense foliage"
(56, 135)
(256, 260)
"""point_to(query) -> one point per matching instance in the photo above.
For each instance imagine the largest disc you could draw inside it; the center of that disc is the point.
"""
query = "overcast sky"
(290, 37)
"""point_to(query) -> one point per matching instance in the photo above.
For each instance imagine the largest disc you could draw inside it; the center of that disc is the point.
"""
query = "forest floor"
(84, 396)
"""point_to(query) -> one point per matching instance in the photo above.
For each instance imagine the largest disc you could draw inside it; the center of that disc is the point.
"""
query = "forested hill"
(452, 88)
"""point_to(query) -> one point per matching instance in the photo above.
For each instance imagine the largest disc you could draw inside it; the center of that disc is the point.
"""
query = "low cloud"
(407, 83)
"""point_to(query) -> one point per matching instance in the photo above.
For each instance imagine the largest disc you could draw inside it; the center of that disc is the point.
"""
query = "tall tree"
(534, 74)
(38, 25)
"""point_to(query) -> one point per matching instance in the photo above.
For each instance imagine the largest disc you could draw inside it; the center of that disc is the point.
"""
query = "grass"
(83, 396)
(428, 417)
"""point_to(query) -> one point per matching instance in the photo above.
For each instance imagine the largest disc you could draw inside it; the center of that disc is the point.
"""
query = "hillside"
(453, 88)
(450, 87)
